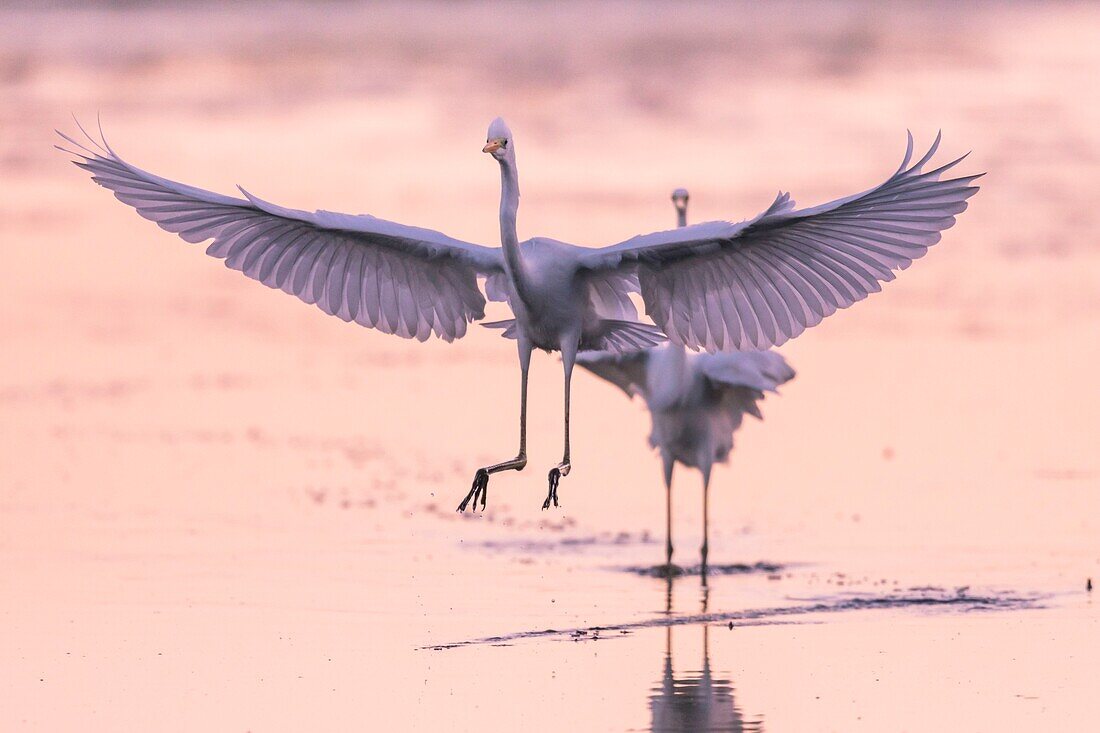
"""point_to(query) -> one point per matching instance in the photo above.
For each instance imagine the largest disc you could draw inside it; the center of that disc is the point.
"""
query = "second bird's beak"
(491, 146)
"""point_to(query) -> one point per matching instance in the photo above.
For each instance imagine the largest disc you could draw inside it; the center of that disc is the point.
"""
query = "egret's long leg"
(669, 464)
(706, 520)
(480, 487)
(568, 358)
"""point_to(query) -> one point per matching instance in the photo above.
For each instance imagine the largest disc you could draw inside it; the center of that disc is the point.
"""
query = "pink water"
(222, 510)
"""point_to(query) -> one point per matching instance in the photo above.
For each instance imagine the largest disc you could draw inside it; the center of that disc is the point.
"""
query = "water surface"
(223, 510)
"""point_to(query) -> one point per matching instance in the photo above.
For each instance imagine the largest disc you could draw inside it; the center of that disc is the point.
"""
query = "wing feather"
(715, 323)
(780, 317)
(756, 284)
(369, 310)
(405, 280)
(627, 371)
(763, 371)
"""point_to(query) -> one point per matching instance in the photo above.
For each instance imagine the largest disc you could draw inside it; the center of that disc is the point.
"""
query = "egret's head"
(498, 141)
(680, 199)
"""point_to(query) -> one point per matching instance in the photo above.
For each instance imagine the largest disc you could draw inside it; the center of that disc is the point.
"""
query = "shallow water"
(222, 510)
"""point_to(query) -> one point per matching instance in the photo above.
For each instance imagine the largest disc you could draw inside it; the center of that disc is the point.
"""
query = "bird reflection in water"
(696, 700)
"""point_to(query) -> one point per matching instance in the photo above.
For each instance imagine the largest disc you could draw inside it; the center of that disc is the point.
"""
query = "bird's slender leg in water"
(480, 487)
(668, 627)
(669, 464)
(568, 358)
(706, 519)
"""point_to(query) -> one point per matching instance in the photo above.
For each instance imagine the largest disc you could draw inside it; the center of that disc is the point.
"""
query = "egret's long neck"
(509, 240)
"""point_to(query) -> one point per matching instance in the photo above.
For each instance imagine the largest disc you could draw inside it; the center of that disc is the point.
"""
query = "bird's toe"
(479, 489)
(553, 479)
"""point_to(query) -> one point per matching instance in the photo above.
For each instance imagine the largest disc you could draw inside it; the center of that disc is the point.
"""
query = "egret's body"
(696, 401)
(718, 285)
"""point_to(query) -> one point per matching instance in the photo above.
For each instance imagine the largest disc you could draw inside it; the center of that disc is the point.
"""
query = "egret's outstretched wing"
(399, 279)
(763, 371)
(626, 371)
(753, 285)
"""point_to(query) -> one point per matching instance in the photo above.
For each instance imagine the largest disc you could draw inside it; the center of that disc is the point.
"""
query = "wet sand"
(221, 509)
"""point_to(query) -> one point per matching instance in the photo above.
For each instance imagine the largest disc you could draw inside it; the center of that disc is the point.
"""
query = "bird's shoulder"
(548, 245)
(552, 255)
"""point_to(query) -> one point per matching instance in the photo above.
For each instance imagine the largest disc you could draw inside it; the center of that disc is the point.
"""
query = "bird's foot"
(479, 489)
(552, 494)
(669, 570)
(556, 473)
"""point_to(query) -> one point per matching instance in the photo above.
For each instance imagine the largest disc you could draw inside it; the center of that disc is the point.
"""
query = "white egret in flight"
(696, 401)
(717, 285)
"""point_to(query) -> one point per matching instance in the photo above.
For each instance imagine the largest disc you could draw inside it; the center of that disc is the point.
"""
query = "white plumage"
(714, 286)
(696, 401)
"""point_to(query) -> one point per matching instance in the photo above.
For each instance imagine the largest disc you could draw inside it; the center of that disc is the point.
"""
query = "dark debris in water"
(958, 599)
(676, 571)
(925, 596)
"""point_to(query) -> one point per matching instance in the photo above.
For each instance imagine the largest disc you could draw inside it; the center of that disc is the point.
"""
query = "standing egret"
(696, 401)
(717, 285)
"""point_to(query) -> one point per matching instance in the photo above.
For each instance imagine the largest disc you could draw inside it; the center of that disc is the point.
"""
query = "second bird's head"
(498, 141)
(680, 199)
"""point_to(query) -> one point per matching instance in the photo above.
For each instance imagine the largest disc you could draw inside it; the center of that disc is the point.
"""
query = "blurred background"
(222, 509)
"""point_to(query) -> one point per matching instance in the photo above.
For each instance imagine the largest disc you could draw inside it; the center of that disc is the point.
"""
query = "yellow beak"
(491, 146)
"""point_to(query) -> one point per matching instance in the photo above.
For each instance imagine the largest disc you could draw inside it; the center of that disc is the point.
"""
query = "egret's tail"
(621, 337)
(508, 326)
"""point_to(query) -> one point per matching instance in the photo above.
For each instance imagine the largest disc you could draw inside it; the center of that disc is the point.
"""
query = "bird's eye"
(503, 143)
